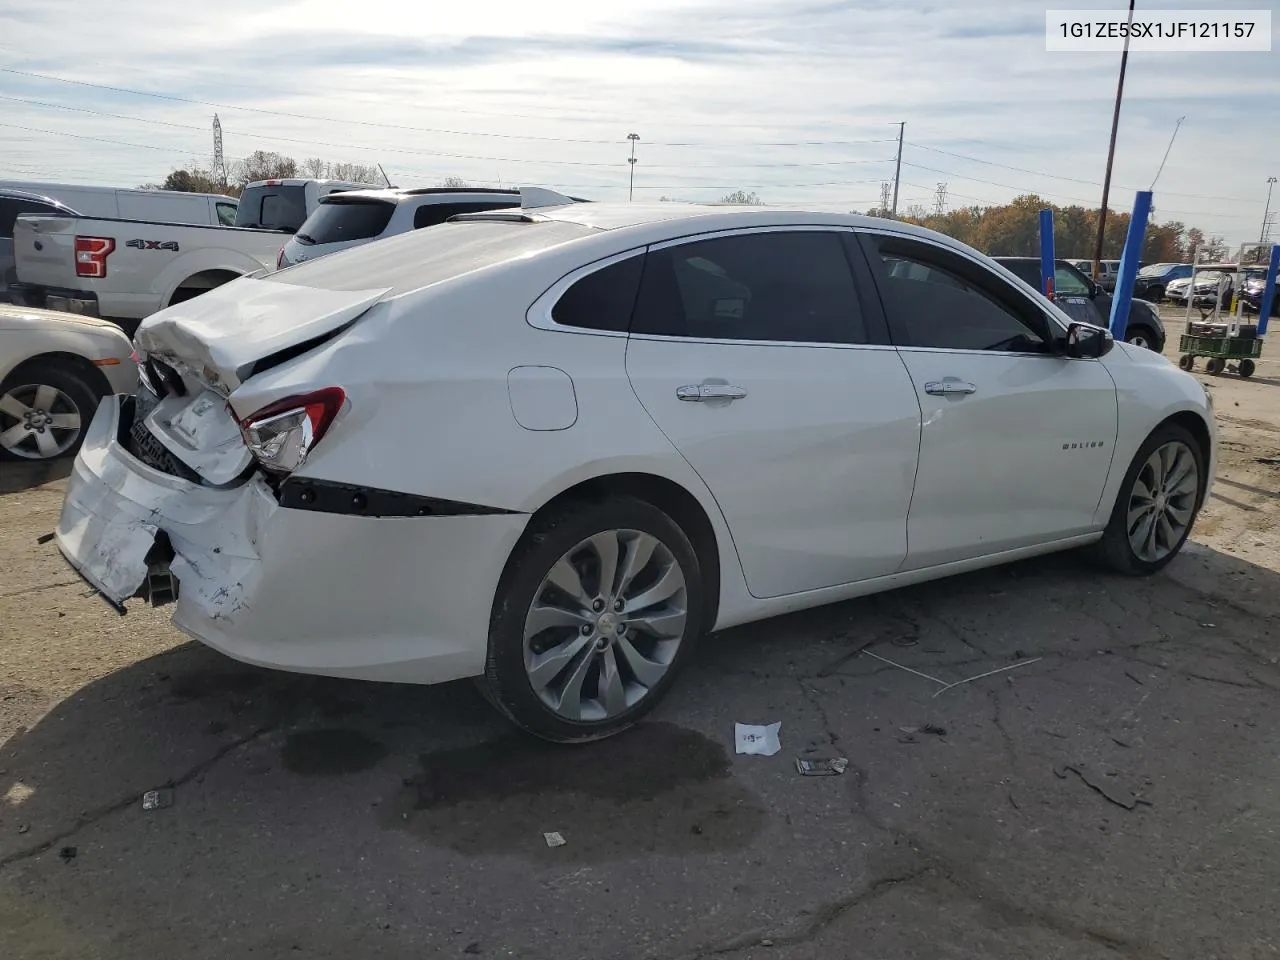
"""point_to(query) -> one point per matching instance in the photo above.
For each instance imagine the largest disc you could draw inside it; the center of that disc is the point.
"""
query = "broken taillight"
(281, 434)
(91, 256)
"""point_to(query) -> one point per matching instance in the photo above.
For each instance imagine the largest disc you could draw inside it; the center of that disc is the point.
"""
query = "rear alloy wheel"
(1157, 505)
(598, 609)
(44, 411)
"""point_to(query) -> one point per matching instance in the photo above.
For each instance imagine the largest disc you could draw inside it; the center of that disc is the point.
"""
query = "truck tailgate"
(44, 249)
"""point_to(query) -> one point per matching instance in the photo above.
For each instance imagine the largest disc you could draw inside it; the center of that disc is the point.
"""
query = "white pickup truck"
(126, 270)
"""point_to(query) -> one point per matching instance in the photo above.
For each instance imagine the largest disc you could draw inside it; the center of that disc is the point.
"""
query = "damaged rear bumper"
(378, 598)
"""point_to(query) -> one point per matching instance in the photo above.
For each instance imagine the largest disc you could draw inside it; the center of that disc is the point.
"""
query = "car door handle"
(701, 392)
(949, 387)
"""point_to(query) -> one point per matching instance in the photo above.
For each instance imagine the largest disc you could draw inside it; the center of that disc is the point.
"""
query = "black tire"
(1246, 368)
(66, 380)
(1155, 294)
(1143, 333)
(1114, 550)
(1187, 361)
(1214, 365)
(506, 682)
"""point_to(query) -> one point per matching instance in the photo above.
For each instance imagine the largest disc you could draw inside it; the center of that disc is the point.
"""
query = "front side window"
(782, 286)
(226, 213)
(935, 298)
(1068, 283)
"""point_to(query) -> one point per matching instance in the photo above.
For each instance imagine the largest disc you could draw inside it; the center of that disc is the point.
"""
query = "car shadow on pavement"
(19, 475)
(257, 759)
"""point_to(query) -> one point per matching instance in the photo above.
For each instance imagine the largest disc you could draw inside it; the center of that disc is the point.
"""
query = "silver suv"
(354, 217)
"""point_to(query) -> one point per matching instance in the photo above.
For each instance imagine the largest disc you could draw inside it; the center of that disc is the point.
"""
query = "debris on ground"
(23, 828)
(67, 854)
(934, 730)
(472, 947)
(942, 684)
(757, 740)
(157, 799)
(554, 839)
(828, 767)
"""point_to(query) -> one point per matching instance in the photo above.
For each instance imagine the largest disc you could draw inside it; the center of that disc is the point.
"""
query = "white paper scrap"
(759, 740)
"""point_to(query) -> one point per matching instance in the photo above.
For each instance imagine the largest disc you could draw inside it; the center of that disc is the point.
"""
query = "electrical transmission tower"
(886, 191)
(940, 200)
(219, 161)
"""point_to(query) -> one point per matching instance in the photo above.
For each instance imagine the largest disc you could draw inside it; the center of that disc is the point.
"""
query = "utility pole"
(1266, 213)
(886, 191)
(633, 137)
(1111, 155)
(940, 200)
(902, 126)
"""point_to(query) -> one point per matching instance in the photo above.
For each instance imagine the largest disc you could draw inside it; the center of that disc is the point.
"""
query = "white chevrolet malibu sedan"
(548, 447)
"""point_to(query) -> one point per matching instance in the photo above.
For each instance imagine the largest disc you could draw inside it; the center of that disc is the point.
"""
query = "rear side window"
(429, 214)
(338, 221)
(782, 286)
(602, 300)
(273, 208)
(226, 214)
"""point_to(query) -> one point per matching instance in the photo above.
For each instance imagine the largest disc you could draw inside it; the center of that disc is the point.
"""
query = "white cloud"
(761, 94)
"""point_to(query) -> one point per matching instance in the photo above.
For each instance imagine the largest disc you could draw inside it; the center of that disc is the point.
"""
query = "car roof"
(398, 195)
(14, 194)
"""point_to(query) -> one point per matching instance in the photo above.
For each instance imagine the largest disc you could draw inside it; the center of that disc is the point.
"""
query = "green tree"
(743, 197)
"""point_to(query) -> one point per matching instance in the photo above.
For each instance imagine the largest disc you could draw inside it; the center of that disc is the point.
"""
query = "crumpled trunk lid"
(219, 336)
(204, 349)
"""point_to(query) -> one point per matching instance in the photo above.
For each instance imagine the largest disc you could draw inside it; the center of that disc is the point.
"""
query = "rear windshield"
(273, 208)
(412, 260)
(337, 220)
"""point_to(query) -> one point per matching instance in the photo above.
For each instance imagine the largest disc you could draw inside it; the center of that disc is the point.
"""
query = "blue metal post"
(1269, 291)
(1129, 261)
(1047, 259)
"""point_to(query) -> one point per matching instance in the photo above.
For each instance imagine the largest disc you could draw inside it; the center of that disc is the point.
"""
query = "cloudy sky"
(798, 100)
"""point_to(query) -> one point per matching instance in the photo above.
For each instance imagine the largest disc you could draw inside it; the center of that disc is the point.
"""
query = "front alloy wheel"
(596, 611)
(1157, 505)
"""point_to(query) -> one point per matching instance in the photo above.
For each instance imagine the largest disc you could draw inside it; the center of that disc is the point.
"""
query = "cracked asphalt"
(1118, 796)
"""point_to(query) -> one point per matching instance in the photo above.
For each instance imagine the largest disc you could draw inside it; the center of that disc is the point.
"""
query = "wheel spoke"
(1167, 531)
(14, 435)
(46, 444)
(1185, 485)
(13, 406)
(569, 703)
(612, 693)
(1155, 463)
(639, 550)
(1141, 491)
(667, 622)
(646, 672)
(547, 666)
(65, 421)
(1136, 515)
(1138, 539)
(543, 617)
(606, 547)
(669, 584)
(1149, 545)
(565, 577)
(1180, 515)
(46, 396)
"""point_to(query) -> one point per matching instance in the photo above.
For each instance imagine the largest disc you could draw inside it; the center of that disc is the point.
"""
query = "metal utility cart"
(1227, 343)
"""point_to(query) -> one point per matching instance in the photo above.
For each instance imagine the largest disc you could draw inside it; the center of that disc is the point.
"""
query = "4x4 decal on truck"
(154, 245)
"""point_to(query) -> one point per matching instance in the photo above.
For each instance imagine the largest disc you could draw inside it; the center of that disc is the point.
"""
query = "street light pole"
(633, 137)
(1111, 155)
(1266, 213)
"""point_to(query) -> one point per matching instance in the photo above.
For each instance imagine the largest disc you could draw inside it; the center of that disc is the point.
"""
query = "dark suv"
(1085, 301)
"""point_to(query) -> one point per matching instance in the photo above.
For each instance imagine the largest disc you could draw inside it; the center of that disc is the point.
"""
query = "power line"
(451, 132)
(1055, 176)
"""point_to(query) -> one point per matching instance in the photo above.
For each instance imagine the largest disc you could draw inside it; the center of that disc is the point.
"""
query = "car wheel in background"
(599, 606)
(1140, 337)
(44, 411)
(1157, 504)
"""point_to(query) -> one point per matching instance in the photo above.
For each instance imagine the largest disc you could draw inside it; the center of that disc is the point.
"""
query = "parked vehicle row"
(1084, 300)
(717, 414)
(128, 269)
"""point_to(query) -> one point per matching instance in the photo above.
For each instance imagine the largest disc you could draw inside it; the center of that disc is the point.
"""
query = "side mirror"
(1095, 288)
(1087, 342)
